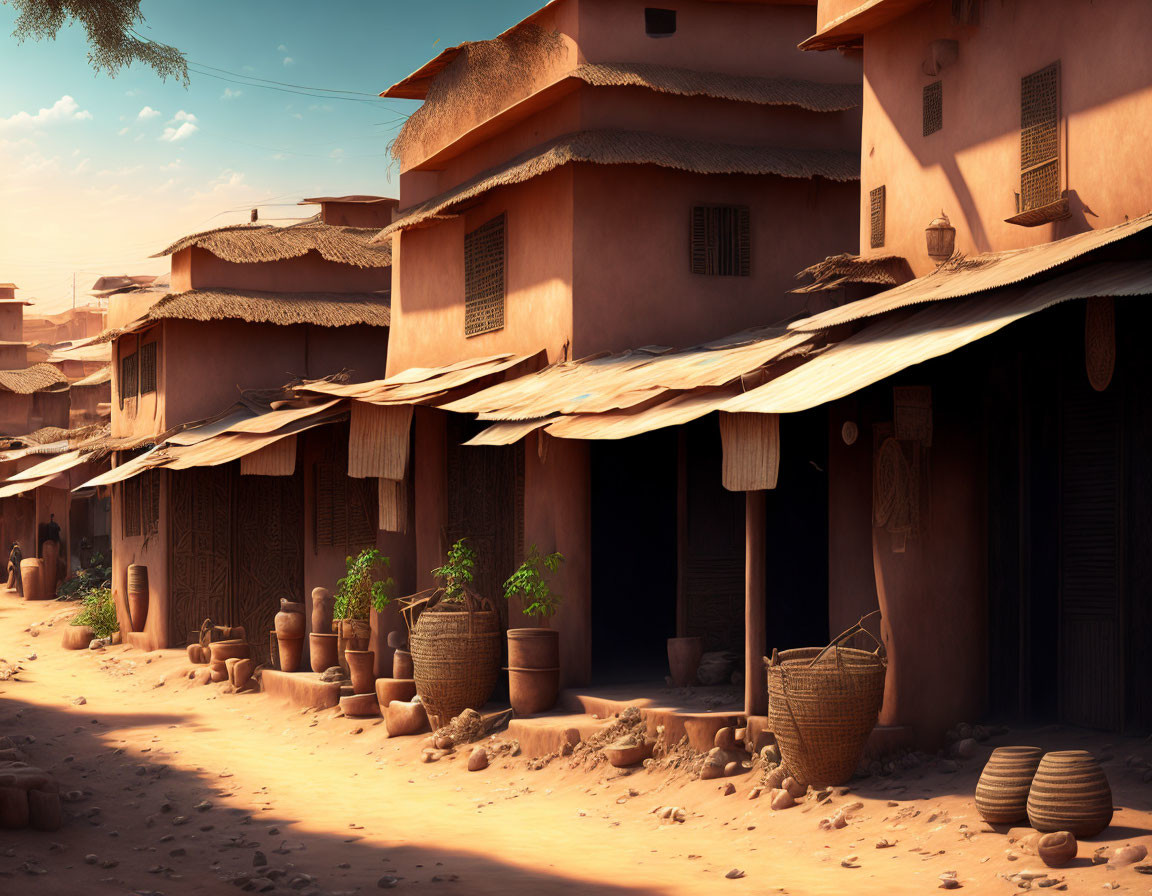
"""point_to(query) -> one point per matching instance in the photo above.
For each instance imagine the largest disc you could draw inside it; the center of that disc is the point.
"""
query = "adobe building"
(600, 177)
(249, 307)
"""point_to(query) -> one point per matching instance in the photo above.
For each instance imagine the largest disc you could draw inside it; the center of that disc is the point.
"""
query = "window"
(877, 200)
(721, 240)
(933, 107)
(148, 367)
(346, 513)
(129, 377)
(484, 279)
(140, 504)
(659, 22)
(1040, 138)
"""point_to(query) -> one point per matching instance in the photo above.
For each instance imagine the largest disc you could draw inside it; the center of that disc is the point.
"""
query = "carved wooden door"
(268, 561)
(200, 549)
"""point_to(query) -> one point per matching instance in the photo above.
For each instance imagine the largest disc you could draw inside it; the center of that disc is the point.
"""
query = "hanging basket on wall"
(1100, 341)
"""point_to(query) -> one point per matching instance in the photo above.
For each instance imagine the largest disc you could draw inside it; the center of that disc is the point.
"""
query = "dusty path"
(186, 788)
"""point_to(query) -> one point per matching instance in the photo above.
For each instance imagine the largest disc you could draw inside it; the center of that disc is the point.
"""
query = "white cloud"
(64, 109)
(282, 48)
(133, 92)
(337, 153)
(288, 60)
(123, 131)
(147, 112)
(172, 166)
(230, 94)
(181, 127)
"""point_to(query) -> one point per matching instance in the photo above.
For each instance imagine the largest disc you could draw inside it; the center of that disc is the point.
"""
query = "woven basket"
(822, 705)
(455, 651)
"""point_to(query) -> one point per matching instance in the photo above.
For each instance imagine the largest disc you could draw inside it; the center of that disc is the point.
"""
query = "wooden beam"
(755, 602)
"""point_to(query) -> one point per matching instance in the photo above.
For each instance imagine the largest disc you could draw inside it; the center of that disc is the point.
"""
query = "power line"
(283, 83)
(315, 96)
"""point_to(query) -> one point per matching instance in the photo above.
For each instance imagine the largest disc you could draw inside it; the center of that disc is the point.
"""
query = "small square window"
(721, 241)
(933, 107)
(484, 278)
(147, 368)
(877, 201)
(659, 22)
(129, 377)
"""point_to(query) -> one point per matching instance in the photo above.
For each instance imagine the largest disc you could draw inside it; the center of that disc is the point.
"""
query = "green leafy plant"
(458, 571)
(366, 585)
(530, 584)
(99, 573)
(99, 612)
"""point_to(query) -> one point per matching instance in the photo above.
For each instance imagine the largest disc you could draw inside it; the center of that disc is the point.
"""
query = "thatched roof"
(811, 95)
(99, 378)
(836, 271)
(608, 147)
(251, 243)
(37, 378)
(322, 309)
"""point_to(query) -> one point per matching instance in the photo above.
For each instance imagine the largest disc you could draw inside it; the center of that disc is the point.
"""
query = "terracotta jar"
(401, 664)
(222, 651)
(137, 596)
(1002, 791)
(684, 659)
(389, 689)
(77, 637)
(359, 705)
(361, 664)
(32, 574)
(323, 601)
(322, 651)
(1070, 793)
(290, 634)
(533, 669)
(50, 552)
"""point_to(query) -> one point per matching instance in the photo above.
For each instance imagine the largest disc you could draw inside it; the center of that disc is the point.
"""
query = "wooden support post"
(755, 599)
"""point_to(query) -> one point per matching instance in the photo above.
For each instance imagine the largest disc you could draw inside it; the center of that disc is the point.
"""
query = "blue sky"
(98, 173)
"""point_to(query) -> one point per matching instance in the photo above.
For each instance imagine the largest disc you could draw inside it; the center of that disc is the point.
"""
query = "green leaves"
(366, 585)
(530, 584)
(99, 612)
(459, 570)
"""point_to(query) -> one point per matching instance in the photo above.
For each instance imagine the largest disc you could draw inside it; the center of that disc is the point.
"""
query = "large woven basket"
(455, 653)
(822, 705)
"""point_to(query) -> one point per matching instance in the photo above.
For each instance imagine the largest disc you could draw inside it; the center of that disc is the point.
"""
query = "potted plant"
(454, 640)
(366, 586)
(96, 620)
(534, 653)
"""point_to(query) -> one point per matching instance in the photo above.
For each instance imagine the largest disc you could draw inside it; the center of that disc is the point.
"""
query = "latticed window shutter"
(721, 240)
(484, 278)
(129, 377)
(1040, 138)
(877, 201)
(933, 107)
(148, 368)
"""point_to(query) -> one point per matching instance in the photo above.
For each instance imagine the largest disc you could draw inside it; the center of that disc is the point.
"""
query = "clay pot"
(684, 659)
(389, 689)
(1002, 791)
(50, 551)
(356, 633)
(405, 718)
(290, 634)
(1057, 850)
(401, 664)
(77, 637)
(322, 651)
(222, 651)
(361, 668)
(623, 757)
(533, 669)
(359, 705)
(398, 639)
(323, 601)
(1070, 792)
(138, 596)
(240, 672)
(32, 574)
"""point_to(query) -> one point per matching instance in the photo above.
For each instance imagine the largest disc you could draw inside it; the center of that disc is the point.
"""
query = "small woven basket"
(455, 651)
(822, 705)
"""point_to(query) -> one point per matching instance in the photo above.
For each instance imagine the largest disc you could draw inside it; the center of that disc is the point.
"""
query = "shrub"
(99, 612)
(530, 583)
(458, 571)
(365, 586)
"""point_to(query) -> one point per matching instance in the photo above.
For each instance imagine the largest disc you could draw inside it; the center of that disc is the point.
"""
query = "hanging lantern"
(941, 236)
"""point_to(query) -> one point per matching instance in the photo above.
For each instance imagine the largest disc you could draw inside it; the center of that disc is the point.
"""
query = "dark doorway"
(797, 527)
(633, 557)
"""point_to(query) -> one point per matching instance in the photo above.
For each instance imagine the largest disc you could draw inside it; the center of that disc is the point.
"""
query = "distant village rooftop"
(253, 243)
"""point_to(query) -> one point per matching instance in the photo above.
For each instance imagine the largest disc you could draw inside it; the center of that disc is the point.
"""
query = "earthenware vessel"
(533, 669)
(623, 756)
(32, 574)
(1070, 792)
(359, 705)
(322, 652)
(51, 556)
(138, 596)
(684, 659)
(360, 669)
(401, 664)
(389, 689)
(225, 650)
(323, 602)
(77, 637)
(290, 634)
(1002, 791)
(1057, 850)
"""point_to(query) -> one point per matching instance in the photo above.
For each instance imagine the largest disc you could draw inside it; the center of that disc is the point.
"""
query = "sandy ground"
(185, 788)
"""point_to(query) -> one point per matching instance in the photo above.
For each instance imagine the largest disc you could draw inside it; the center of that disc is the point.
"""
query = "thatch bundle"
(285, 309)
(811, 95)
(836, 271)
(37, 378)
(609, 147)
(483, 79)
(250, 243)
